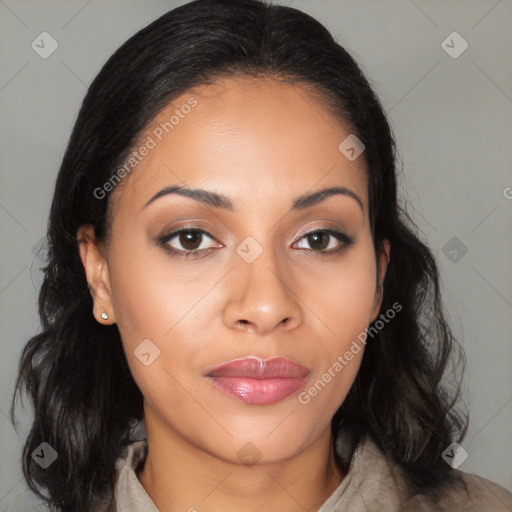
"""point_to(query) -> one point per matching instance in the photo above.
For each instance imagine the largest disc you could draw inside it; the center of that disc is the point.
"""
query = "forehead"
(243, 136)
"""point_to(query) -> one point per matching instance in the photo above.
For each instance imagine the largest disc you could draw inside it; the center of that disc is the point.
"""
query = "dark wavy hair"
(75, 372)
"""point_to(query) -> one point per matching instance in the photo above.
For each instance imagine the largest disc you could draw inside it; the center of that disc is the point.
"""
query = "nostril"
(245, 325)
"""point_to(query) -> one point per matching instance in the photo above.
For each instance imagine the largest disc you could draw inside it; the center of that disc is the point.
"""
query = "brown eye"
(318, 241)
(190, 240)
(187, 242)
(325, 241)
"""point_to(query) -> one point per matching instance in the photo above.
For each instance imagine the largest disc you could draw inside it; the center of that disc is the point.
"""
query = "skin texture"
(262, 144)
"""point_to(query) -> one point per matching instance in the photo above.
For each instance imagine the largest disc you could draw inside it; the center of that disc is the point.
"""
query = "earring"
(104, 315)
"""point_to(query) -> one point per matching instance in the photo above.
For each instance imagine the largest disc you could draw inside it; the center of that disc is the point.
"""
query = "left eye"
(325, 240)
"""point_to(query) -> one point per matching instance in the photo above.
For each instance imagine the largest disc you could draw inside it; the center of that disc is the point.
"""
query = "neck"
(180, 476)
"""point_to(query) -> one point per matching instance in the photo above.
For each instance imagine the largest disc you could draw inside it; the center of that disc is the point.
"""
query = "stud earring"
(104, 315)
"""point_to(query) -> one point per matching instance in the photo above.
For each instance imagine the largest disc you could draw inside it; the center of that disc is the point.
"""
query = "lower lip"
(258, 392)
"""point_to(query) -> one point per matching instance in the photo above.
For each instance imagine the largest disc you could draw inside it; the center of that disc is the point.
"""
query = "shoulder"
(376, 482)
(476, 493)
(466, 492)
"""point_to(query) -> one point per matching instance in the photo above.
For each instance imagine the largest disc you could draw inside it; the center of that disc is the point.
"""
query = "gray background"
(452, 119)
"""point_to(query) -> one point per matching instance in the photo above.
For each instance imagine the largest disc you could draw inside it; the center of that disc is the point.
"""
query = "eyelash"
(345, 240)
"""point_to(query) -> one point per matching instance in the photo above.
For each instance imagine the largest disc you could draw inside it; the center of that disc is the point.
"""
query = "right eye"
(185, 242)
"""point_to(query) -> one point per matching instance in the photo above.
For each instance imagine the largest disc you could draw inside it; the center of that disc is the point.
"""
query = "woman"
(229, 268)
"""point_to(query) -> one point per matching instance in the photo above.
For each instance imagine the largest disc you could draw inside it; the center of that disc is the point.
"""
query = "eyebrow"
(221, 201)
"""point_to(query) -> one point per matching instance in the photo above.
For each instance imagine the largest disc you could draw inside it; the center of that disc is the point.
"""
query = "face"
(252, 274)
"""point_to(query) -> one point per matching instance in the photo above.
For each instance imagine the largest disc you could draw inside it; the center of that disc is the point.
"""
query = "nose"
(261, 297)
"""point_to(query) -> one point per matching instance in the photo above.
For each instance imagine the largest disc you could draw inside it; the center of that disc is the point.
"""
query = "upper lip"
(257, 368)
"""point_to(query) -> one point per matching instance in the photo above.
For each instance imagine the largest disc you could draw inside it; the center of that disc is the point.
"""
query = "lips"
(256, 368)
(257, 381)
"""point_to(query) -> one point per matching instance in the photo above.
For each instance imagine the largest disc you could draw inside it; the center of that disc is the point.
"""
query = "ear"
(383, 261)
(96, 272)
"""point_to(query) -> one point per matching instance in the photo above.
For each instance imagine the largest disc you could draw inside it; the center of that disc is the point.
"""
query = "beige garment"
(373, 484)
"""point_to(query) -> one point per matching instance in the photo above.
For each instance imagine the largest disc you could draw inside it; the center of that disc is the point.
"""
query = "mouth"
(258, 381)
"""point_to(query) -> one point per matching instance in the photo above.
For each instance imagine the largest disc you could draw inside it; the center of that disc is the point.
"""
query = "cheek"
(149, 293)
(344, 307)
(343, 296)
(159, 312)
